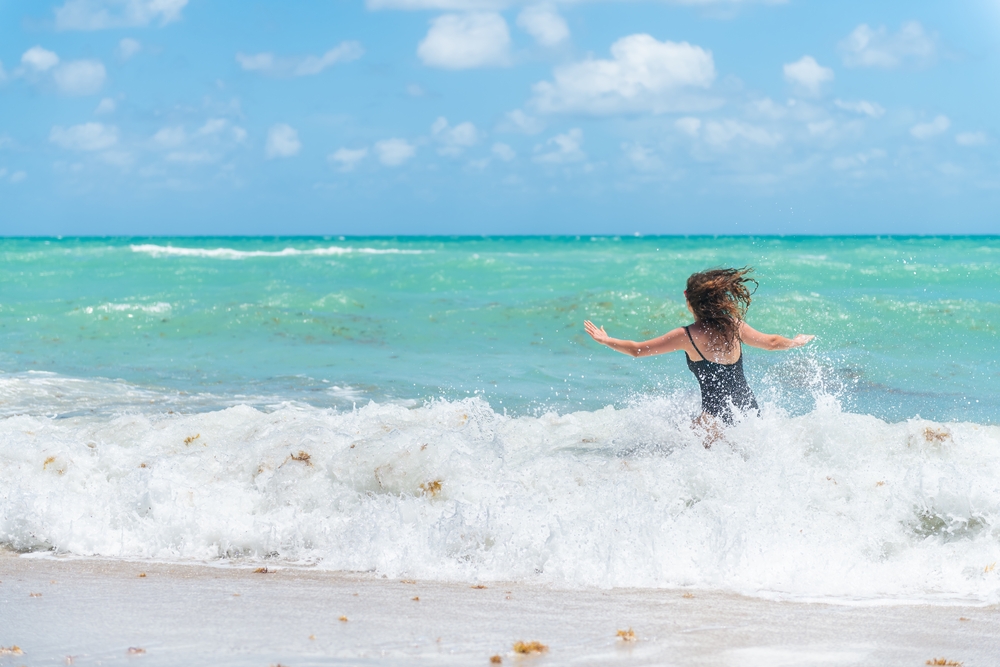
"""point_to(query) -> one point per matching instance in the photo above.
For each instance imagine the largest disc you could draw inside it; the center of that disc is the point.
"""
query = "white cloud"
(118, 158)
(413, 90)
(191, 157)
(971, 139)
(394, 152)
(862, 106)
(642, 158)
(213, 126)
(282, 141)
(259, 62)
(858, 160)
(102, 14)
(768, 108)
(808, 74)
(503, 151)
(170, 137)
(465, 41)
(866, 47)
(267, 63)
(455, 139)
(80, 77)
(643, 75)
(496, 5)
(3, 73)
(107, 105)
(18, 176)
(688, 125)
(39, 59)
(518, 121)
(544, 24)
(931, 129)
(84, 137)
(562, 148)
(128, 47)
(446, 5)
(820, 127)
(720, 134)
(348, 158)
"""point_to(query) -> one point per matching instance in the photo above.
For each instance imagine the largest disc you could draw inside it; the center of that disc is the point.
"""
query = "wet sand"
(92, 612)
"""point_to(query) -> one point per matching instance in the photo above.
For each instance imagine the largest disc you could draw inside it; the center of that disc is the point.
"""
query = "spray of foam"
(829, 504)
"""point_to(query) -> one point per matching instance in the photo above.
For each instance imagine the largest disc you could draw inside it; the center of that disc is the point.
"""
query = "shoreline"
(195, 614)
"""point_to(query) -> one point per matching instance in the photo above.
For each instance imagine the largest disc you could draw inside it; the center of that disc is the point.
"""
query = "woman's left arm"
(668, 342)
(754, 338)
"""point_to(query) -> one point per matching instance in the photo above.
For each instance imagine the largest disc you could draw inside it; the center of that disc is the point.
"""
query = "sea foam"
(826, 505)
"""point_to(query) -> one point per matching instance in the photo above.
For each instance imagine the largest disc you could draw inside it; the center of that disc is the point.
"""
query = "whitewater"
(485, 457)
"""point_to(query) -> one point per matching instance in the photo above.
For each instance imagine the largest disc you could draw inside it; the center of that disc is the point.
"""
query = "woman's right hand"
(600, 335)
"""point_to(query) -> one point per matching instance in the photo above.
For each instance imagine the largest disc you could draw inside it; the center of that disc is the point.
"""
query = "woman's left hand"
(600, 335)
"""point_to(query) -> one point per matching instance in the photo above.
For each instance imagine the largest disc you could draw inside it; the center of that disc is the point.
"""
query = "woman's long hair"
(719, 299)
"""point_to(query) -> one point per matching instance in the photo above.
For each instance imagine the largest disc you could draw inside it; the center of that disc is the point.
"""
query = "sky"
(364, 117)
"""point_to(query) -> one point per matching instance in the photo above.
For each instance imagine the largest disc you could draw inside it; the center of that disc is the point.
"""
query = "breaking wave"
(826, 505)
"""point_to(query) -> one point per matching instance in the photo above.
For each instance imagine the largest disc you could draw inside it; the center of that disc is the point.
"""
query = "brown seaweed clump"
(13, 650)
(478, 587)
(936, 434)
(943, 662)
(495, 659)
(626, 635)
(135, 650)
(303, 457)
(530, 648)
(263, 570)
(191, 438)
(431, 488)
(342, 619)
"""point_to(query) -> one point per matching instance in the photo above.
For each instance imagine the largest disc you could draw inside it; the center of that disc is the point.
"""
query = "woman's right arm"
(668, 342)
(754, 338)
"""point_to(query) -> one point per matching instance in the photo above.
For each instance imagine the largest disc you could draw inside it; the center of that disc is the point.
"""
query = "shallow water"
(432, 408)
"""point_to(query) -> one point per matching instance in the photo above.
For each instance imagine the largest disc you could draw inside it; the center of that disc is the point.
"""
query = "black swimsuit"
(723, 386)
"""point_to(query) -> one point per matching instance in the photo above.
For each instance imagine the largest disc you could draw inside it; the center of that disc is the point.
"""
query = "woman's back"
(712, 345)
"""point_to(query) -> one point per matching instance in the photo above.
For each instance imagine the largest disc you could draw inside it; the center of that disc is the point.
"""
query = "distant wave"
(231, 253)
(158, 308)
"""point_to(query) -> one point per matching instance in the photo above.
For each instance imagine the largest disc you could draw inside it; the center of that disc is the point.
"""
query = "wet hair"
(719, 299)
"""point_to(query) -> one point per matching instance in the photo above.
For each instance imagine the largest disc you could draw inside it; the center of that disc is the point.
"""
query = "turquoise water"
(905, 326)
(431, 408)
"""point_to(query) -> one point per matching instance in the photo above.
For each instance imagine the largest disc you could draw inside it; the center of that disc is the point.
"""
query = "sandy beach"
(99, 612)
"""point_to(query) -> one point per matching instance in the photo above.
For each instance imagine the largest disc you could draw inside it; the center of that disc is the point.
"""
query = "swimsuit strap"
(703, 357)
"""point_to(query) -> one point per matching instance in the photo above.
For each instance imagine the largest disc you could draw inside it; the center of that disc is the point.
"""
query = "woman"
(718, 299)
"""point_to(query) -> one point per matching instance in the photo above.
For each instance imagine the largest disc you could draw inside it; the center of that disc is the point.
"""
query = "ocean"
(431, 408)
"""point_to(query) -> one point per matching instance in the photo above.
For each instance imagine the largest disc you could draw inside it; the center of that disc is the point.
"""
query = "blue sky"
(499, 117)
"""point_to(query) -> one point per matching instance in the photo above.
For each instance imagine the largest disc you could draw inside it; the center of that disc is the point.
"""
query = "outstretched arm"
(754, 338)
(668, 342)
